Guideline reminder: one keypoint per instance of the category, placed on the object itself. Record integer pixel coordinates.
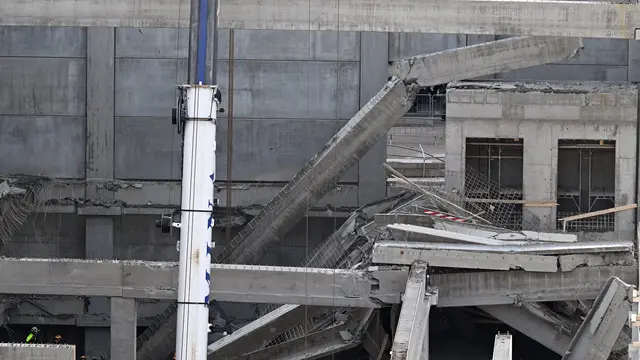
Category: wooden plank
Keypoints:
(599, 212)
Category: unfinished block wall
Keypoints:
(545, 116)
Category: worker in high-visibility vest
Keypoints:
(57, 339)
(33, 335)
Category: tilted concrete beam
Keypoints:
(602, 326)
(548, 18)
(262, 330)
(321, 174)
(285, 285)
(339, 337)
(486, 59)
(412, 334)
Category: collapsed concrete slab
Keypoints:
(602, 326)
(405, 232)
(493, 257)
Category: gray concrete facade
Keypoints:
(541, 114)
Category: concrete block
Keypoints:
(550, 99)
(147, 87)
(42, 86)
(402, 45)
(48, 145)
(43, 41)
(290, 45)
(616, 114)
(547, 112)
(293, 89)
(148, 148)
(37, 352)
(274, 149)
(474, 111)
(564, 72)
(152, 43)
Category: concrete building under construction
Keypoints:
(443, 179)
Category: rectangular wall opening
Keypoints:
(586, 183)
(493, 180)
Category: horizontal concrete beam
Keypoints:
(587, 247)
(398, 255)
(151, 198)
(548, 18)
(306, 286)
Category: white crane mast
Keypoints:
(198, 116)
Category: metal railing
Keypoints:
(429, 105)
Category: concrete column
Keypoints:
(99, 226)
(540, 171)
(374, 72)
(123, 328)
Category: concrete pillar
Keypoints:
(123, 328)
(540, 171)
(374, 72)
(99, 226)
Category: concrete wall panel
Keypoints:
(274, 149)
(36, 41)
(147, 87)
(291, 45)
(51, 86)
(293, 89)
(147, 148)
(402, 45)
(48, 236)
(613, 52)
(42, 145)
(150, 43)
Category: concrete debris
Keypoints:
(601, 328)
(552, 87)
